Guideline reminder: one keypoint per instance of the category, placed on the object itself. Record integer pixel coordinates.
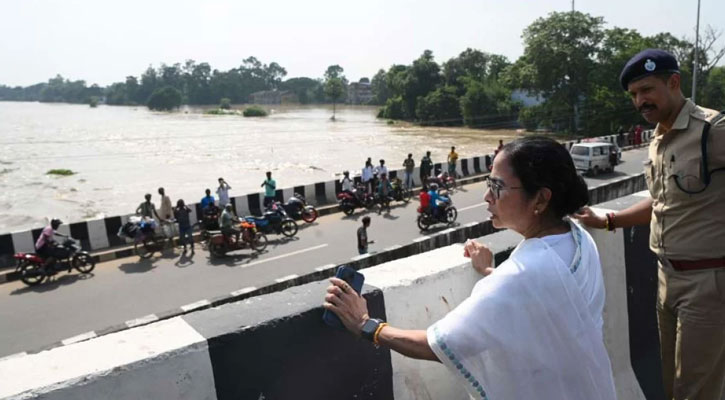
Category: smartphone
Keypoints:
(355, 280)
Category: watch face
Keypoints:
(369, 327)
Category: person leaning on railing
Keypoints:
(531, 328)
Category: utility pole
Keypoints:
(697, 50)
(572, 5)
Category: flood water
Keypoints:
(120, 153)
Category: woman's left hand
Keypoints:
(480, 255)
(347, 304)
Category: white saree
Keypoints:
(527, 331)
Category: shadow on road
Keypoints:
(52, 283)
(140, 266)
(237, 259)
(185, 260)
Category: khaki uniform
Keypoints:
(691, 304)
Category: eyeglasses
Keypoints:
(496, 187)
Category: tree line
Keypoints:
(569, 68)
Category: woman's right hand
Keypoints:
(480, 255)
(586, 216)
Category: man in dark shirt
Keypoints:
(362, 236)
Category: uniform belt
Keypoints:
(690, 265)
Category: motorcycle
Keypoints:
(220, 244)
(297, 207)
(446, 215)
(32, 272)
(444, 181)
(400, 193)
(360, 198)
(208, 222)
(143, 233)
(275, 220)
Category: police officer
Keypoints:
(686, 213)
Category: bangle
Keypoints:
(610, 222)
(606, 222)
(377, 332)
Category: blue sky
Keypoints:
(102, 41)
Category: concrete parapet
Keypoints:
(276, 346)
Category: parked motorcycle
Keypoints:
(275, 220)
(209, 222)
(444, 181)
(297, 207)
(446, 215)
(32, 272)
(220, 244)
(360, 198)
(400, 193)
(145, 235)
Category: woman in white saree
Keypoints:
(532, 328)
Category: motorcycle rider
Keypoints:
(46, 246)
(424, 200)
(147, 209)
(435, 197)
(346, 182)
(226, 222)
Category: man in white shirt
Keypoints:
(223, 192)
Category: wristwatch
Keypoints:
(370, 327)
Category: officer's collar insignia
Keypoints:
(650, 65)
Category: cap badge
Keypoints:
(650, 65)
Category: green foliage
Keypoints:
(334, 89)
(335, 85)
(93, 102)
(225, 103)
(60, 172)
(254, 111)
(439, 107)
(487, 105)
(531, 117)
(306, 89)
(164, 99)
(394, 108)
(381, 91)
(713, 94)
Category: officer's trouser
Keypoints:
(691, 316)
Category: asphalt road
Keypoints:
(127, 289)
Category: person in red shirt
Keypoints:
(424, 200)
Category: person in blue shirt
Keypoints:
(435, 197)
(207, 200)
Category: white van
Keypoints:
(595, 157)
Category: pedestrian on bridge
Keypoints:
(223, 192)
(409, 165)
(166, 211)
(362, 236)
(182, 214)
(207, 200)
(270, 190)
(452, 160)
(685, 176)
(426, 166)
(367, 176)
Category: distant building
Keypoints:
(273, 97)
(359, 92)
